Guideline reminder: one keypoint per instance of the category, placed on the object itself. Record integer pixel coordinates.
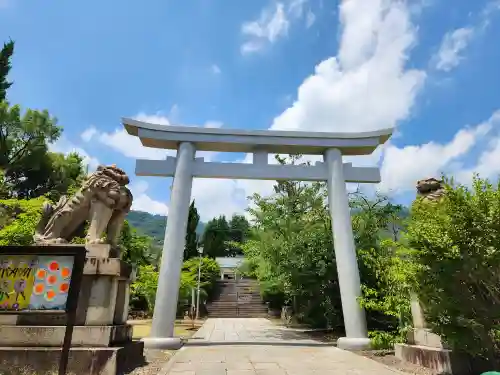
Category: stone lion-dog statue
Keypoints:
(430, 189)
(103, 200)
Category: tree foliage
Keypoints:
(143, 292)
(216, 236)
(291, 252)
(191, 247)
(137, 248)
(27, 168)
(457, 245)
(239, 232)
(210, 272)
(18, 219)
(5, 65)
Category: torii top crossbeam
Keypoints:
(260, 143)
(273, 141)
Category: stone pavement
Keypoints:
(248, 330)
(225, 347)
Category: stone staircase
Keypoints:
(237, 299)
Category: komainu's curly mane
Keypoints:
(430, 189)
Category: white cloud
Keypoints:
(402, 167)
(213, 124)
(215, 69)
(310, 19)
(131, 146)
(273, 24)
(157, 118)
(142, 201)
(128, 145)
(367, 85)
(88, 134)
(64, 146)
(454, 42)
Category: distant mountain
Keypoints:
(153, 225)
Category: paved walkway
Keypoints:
(258, 347)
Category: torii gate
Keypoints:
(185, 166)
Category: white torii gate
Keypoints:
(185, 166)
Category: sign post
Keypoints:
(39, 280)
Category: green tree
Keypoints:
(239, 231)
(377, 225)
(457, 246)
(216, 237)
(137, 248)
(144, 288)
(210, 272)
(291, 251)
(56, 175)
(24, 157)
(191, 248)
(27, 168)
(5, 66)
(143, 291)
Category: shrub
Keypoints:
(386, 297)
(143, 290)
(210, 273)
(385, 340)
(18, 219)
(458, 247)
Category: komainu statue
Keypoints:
(103, 200)
(430, 189)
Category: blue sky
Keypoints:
(427, 67)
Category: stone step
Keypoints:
(237, 307)
(238, 299)
(234, 302)
(241, 306)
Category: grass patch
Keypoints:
(140, 331)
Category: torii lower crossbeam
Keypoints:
(256, 171)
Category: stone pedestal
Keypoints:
(424, 348)
(101, 336)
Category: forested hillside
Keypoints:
(154, 225)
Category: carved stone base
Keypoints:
(443, 361)
(88, 361)
(98, 250)
(52, 336)
(353, 343)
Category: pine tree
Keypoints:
(191, 248)
(5, 66)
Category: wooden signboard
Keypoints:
(42, 279)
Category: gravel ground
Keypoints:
(156, 360)
(387, 358)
